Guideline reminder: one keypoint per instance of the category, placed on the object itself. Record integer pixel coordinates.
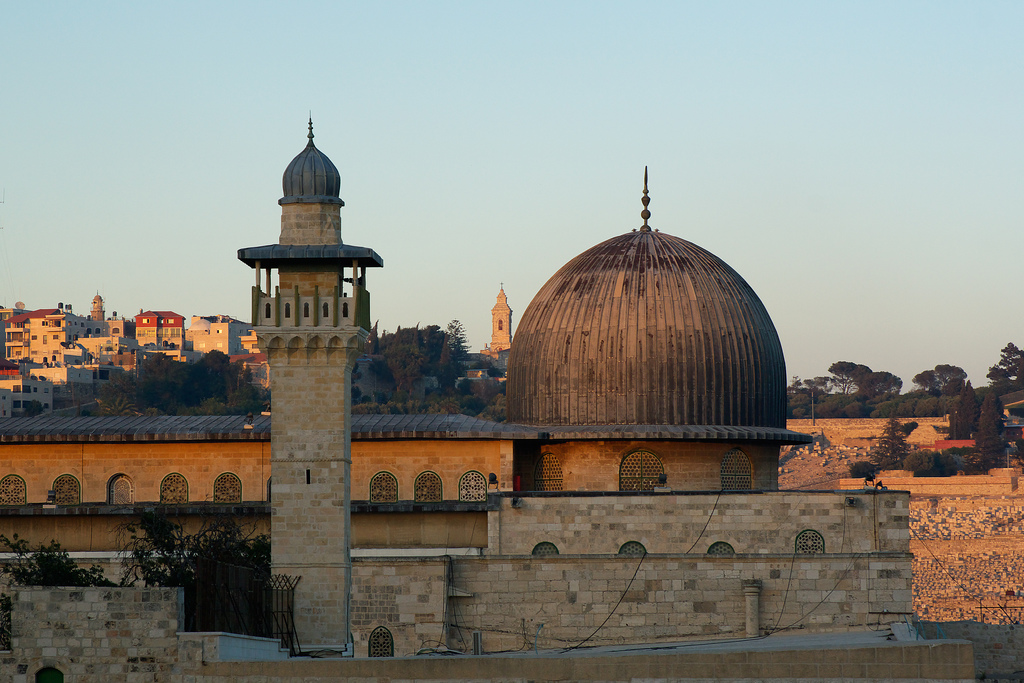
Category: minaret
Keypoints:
(97, 312)
(312, 326)
(501, 323)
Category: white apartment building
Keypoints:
(217, 333)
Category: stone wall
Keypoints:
(766, 522)
(95, 635)
(863, 431)
(998, 648)
(998, 482)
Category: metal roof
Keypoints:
(276, 255)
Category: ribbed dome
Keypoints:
(646, 328)
(311, 177)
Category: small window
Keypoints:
(287, 310)
(736, 471)
(720, 548)
(809, 542)
(344, 310)
(544, 549)
(266, 311)
(632, 549)
(174, 489)
(427, 488)
(12, 490)
(381, 643)
(383, 488)
(305, 310)
(227, 488)
(326, 309)
(67, 489)
(120, 490)
(472, 487)
(501, 325)
(547, 475)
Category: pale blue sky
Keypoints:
(860, 164)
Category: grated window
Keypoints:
(544, 549)
(633, 549)
(721, 548)
(120, 490)
(381, 643)
(736, 472)
(547, 475)
(227, 488)
(67, 489)
(12, 490)
(472, 487)
(640, 471)
(174, 489)
(809, 542)
(427, 488)
(383, 488)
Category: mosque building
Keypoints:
(632, 496)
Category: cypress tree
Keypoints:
(892, 446)
(989, 440)
(965, 415)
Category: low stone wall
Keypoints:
(751, 522)
(864, 431)
(95, 635)
(998, 648)
(998, 483)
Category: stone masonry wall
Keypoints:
(405, 596)
(863, 432)
(94, 635)
(765, 522)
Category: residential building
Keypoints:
(217, 333)
(162, 329)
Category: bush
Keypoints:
(48, 565)
(863, 469)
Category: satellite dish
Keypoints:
(19, 304)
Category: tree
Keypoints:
(1008, 374)
(456, 338)
(943, 380)
(965, 415)
(48, 565)
(875, 384)
(845, 375)
(161, 553)
(989, 444)
(892, 446)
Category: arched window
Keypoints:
(305, 310)
(501, 325)
(120, 490)
(721, 548)
(809, 542)
(383, 488)
(174, 489)
(67, 490)
(287, 310)
(12, 490)
(544, 549)
(381, 643)
(632, 549)
(326, 309)
(49, 675)
(268, 488)
(736, 472)
(344, 310)
(639, 471)
(547, 475)
(266, 310)
(427, 488)
(227, 488)
(472, 487)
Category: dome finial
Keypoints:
(645, 214)
(310, 135)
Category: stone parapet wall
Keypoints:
(946, 487)
(766, 522)
(95, 635)
(998, 648)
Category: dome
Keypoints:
(646, 329)
(311, 177)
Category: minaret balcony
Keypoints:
(330, 310)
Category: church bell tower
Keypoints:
(501, 323)
(312, 325)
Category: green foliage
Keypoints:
(863, 469)
(48, 565)
(212, 386)
(990, 449)
(943, 380)
(931, 464)
(457, 344)
(909, 427)
(161, 553)
(891, 448)
(1008, 374)
(964, 418)
(32, 408)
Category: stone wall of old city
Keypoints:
(864, 431)
(94, 635)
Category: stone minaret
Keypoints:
(501, 324)
(97, 312)
(312, 326)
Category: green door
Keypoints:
(49, 675)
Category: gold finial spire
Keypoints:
(645, 214)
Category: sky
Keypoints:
(860, 164)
